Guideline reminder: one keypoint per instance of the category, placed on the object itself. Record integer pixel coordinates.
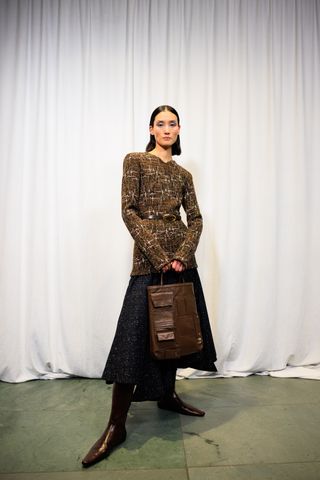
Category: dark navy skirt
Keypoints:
(129, 360)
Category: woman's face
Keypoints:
(165, 129)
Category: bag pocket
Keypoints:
(162, 299)
(162, 303)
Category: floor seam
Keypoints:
(184, 450)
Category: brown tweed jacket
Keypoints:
(153, 187)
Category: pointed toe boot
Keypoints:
(115, 433)
(113, 436)
(175, 404)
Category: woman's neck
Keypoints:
(164, 153)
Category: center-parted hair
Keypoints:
(176, 148)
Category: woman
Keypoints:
(154, 187)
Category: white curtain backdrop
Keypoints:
(79, 80)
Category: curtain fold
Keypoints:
(79, 80)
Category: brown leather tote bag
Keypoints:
(173, 320)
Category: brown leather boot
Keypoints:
(175, 404)
(115, 433)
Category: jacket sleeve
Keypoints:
(145, 240)
(194, 220)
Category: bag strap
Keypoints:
(181, 278)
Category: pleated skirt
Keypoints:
(129, 360)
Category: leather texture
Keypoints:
(173, 321)
(115, 433)
(175, 404)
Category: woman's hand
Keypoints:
(177, 266)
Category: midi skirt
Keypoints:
(129, 360)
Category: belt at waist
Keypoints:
(167, 217)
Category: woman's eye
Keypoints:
(172, 124)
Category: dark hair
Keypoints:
(176, 148)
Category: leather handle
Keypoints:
(181, 278)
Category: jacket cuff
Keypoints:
(159, 266)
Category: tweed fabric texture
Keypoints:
(153, 187)
(129, 360)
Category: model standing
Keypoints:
(154, 187)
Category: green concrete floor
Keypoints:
(255, 428)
